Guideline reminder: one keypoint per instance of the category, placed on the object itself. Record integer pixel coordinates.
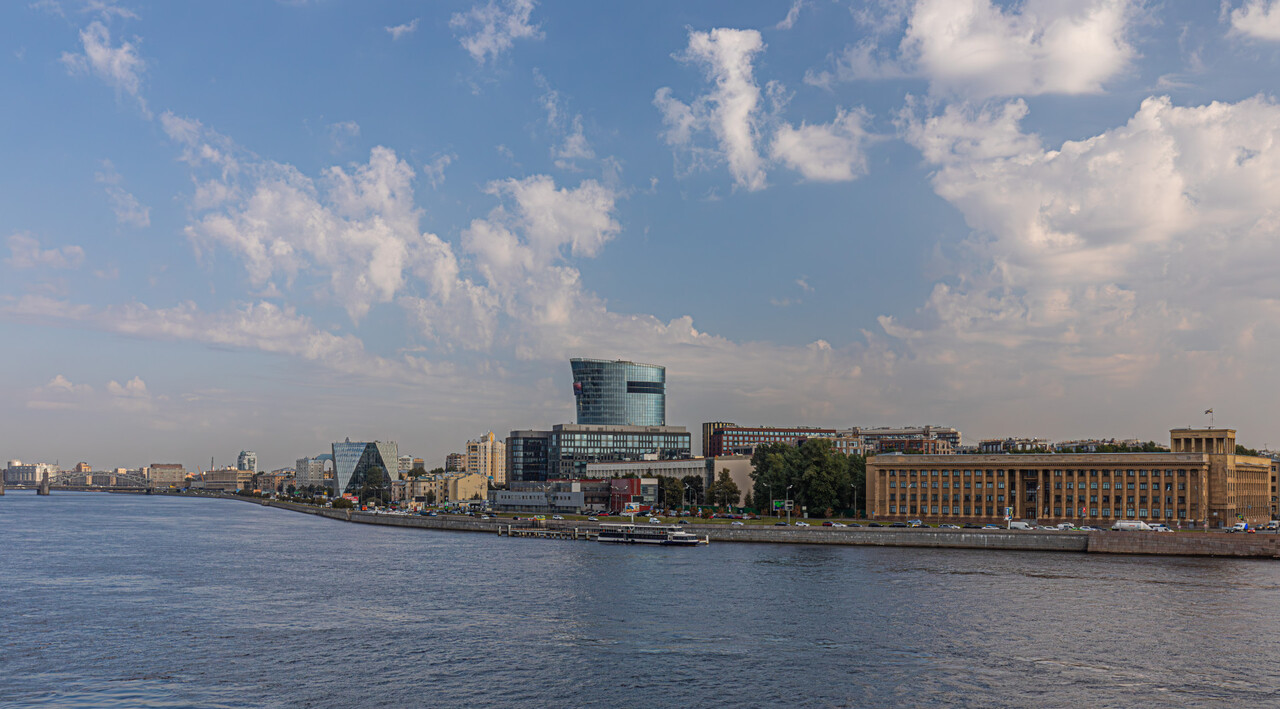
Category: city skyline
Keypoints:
(267, 228)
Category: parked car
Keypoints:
(682, 522)
(971, 525)
(654, 520)
(1087, 528)
(898, 524)
(839, 524)
(991, 526)
(802, 524)
(828, 523)
(557, 517)
(1018, 524)
(948, 526)
(736, 524)
(854, 524)
(779, 524)
(875, 524)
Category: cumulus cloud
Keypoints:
(25, 252)
(129, 212)
(434, 170)
(732, 114)
(1257, 19)
(63, 385)
(1105, 258)
(977, 49)
(357, 227)
(729, 111)
(827, 152)
(486, 31)
(120, 67)
(399, 31)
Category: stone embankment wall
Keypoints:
(1151, 543)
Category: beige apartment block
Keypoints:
(488, 457)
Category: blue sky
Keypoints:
(270, 225)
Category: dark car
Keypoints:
(780, 524)
(855, 524)
(971, 525)
(898, 524)
(682, 522)
(828, 523)
(875, 524)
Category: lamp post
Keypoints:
(787, 504)
(685, 499)
(854, 487)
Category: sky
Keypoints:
(272, 225)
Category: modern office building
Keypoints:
(354, 463)
(487, 456)
(1200, 483)
(565, 450)
(619, 393)
(247, 460)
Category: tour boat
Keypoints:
(671, 535)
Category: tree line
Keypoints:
(813, 474)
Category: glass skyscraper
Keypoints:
(619, 393)
(353, 463)
(565, 450)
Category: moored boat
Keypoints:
(666, 535)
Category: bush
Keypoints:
(342, 503)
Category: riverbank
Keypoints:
(1215, 544)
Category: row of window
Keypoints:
(1034, 473)
(1057, 511)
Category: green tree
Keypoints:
(696, 494)
(725, 492)
(771, 472)
(436, 471)
(858, 481)
(748, 501)
(431, 497)
(375, 482)
(1241, 450)
(823, 477)
(670, 492)
(343, 503)
(417, 472)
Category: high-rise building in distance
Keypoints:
(248, 460)
(619, 393)
(487, 456)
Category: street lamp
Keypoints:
(854, 487)
(685, 499)
(787, 503)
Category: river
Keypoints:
(125, 600)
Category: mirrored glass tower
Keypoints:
(619, 393)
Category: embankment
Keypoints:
(1147, 543)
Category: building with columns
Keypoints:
(1200, 482)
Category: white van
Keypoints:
(1133, 525)
(1021, 525)
(1159, 527)
(1066, 527)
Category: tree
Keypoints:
(725, 492)
(431, 497)
(436, 471)
(1241, 450)
(374, 487)
(670, 492)
(823, 476)
(417, 472)
(696, 494)
(748, 501)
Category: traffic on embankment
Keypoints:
(1186, 543)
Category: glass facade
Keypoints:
(619, 393)
(354, 462)
(565, 450)
(527, 455)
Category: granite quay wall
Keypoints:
(1148, 543)
(1186, 544)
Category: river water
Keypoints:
(124, 600)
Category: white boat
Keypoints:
(668, 535)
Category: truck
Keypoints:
(1131, 525)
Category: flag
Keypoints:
(1208, 411)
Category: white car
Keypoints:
(944, 526)
(802, 524)
(557, 517)
(735, 524)
(839, 524)
(654, 520)
(592, 519)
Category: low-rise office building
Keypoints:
(1200, 483)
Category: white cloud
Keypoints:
(358, 228)
(120, 67)
(1108, 260)
(486, 31)
(434, 170)
(342, 134)
(570, 142)
(128, 210)
(825, 153)
(1258, 19)
(977, 49)
(399, 31)
(729, 110)
(25, 252)
(792, 15)
(133, 389)
(63, 385)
